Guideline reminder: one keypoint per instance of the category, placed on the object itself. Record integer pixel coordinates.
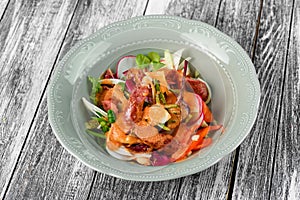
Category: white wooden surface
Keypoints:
(36, 34)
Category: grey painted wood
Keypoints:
(212, 183)
(238, 19)
(45, 170)
(256, 157)
(205, 10)
(3, 5)
(31, 35)
(107, 187)
(286, 175)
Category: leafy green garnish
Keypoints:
(111, 116)
(157, 66)
(122, 86)
(142, 61)
(96, 134)
(96, 88)
(154, 57)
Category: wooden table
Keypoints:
(34, 36)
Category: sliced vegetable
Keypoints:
(163, 127)
(169, 59)
(94, 109)
(93, 133)
(124, 64)
(194, 102)
(199, 137)
(206, 142)
(208, 89)
(181, 65)
(122, 154)
(157, 65)
(177, 55)
(208, 116)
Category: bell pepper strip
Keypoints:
(206, 142)
(208, 117)
(200, 135)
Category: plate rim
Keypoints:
(137, 177)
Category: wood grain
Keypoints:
(3, 5)
(205, 11)
(107, 187)
(34, 164)
(286, 175)
(92, 15)
(256, 157)
(45, 169)
(31, 35)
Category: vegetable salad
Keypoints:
(152, 110)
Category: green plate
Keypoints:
(220, 60)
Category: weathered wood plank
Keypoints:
(286, 175)
(31, 35)
(107, 187)
(157, 7)
(216, 178)
(212, 183)
(45, 169)
(205, 11)
(3, 5)
(255, 163)
(92, 15)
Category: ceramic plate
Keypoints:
(220, 60)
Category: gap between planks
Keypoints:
(40, 101)
(4, 11)
(56, 60)
(282, 93)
